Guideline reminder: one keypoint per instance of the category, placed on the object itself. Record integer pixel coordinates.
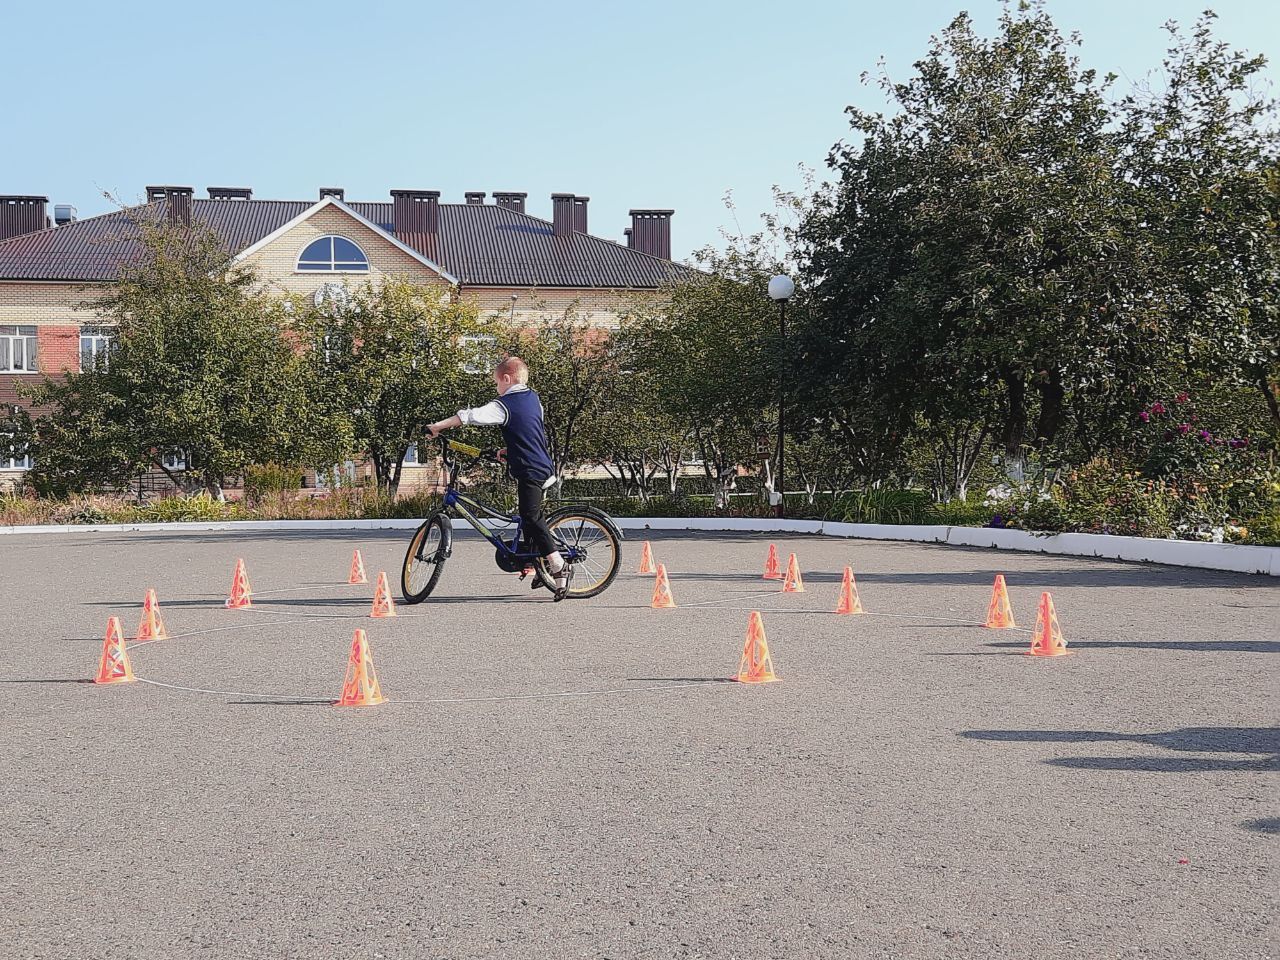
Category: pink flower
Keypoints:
(1184, 428)
(1182, 397)
(1157, 408)
(1144, 417)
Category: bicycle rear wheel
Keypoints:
(430, 547)
(587, 538)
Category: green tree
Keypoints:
(573, 366)
(383, 361)
(197, 365)
(1202, 153)
(962, 267)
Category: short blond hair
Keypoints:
(515, 368)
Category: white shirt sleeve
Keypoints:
(492, 414)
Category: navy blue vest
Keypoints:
(528, 456)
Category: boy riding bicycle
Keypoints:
(518, 411)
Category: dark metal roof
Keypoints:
(483, 244)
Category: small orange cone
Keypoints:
(357, 569)
(360, 688)
(756, 666)
(382, 603)
(850, 602)
(114, 666)
(151, 626)
(646, 559)
(771, 569)
(241, 592)
(662, 590)
(794, 582)
(1046, 639)
(999, 611)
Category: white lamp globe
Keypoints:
(781, 287)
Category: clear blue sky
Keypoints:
(646, 104)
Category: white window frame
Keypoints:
(98, 340)
(13, 338)
(332, 263)
(175, 460)
(10, 462)
(411, 456)
(339, 475)
(472, 340)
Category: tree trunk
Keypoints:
(1015, 428)
(1049, 422)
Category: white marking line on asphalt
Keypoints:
(745, 596)
(520, 696)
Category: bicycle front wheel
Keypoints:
(587, 539)
(430, 547)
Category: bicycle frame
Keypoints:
(463, 506)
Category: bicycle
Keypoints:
(586, 537)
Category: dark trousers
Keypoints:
(536, 533)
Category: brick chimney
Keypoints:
(19, 215)
(512, 201)
(651, 232)
(177, 203)
(415, 217)
(230, 193)
(562, 214)
(475, 197)
(580, 214)
(336, 192)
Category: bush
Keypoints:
(1106, 496)
(262, 479)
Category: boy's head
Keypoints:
(508, 373)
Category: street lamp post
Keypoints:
(781, 289)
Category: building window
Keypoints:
(94, 343)
(478, 352)
(333, 255)
(11, 459)
(175, 460)
(18, 349)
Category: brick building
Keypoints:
(506, 260)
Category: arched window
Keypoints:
(333, 254)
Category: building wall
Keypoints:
(534, 305)
(277, 262)
(58, 311)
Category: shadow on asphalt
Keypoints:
(1264, 825)
(1257, 740)
(48, 680)
(1200, 646)
(681, 680)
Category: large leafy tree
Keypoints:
(711, 352)
(197, 366)
(383, 361)
(574, 367)
(961, 265)
(1202, 153)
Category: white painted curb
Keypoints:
(1181, 553)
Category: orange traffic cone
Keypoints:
(794, 582)
(771, 569)
(1046, 639)
(114, 666)
(662, 590)
(360, 688)
(999, 611)
(646, 559)
(357, 569)
(382, 603)
(756, 666)
(152, 625)
(241, 592)
(850, 602)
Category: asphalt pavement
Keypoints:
(581, 780)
